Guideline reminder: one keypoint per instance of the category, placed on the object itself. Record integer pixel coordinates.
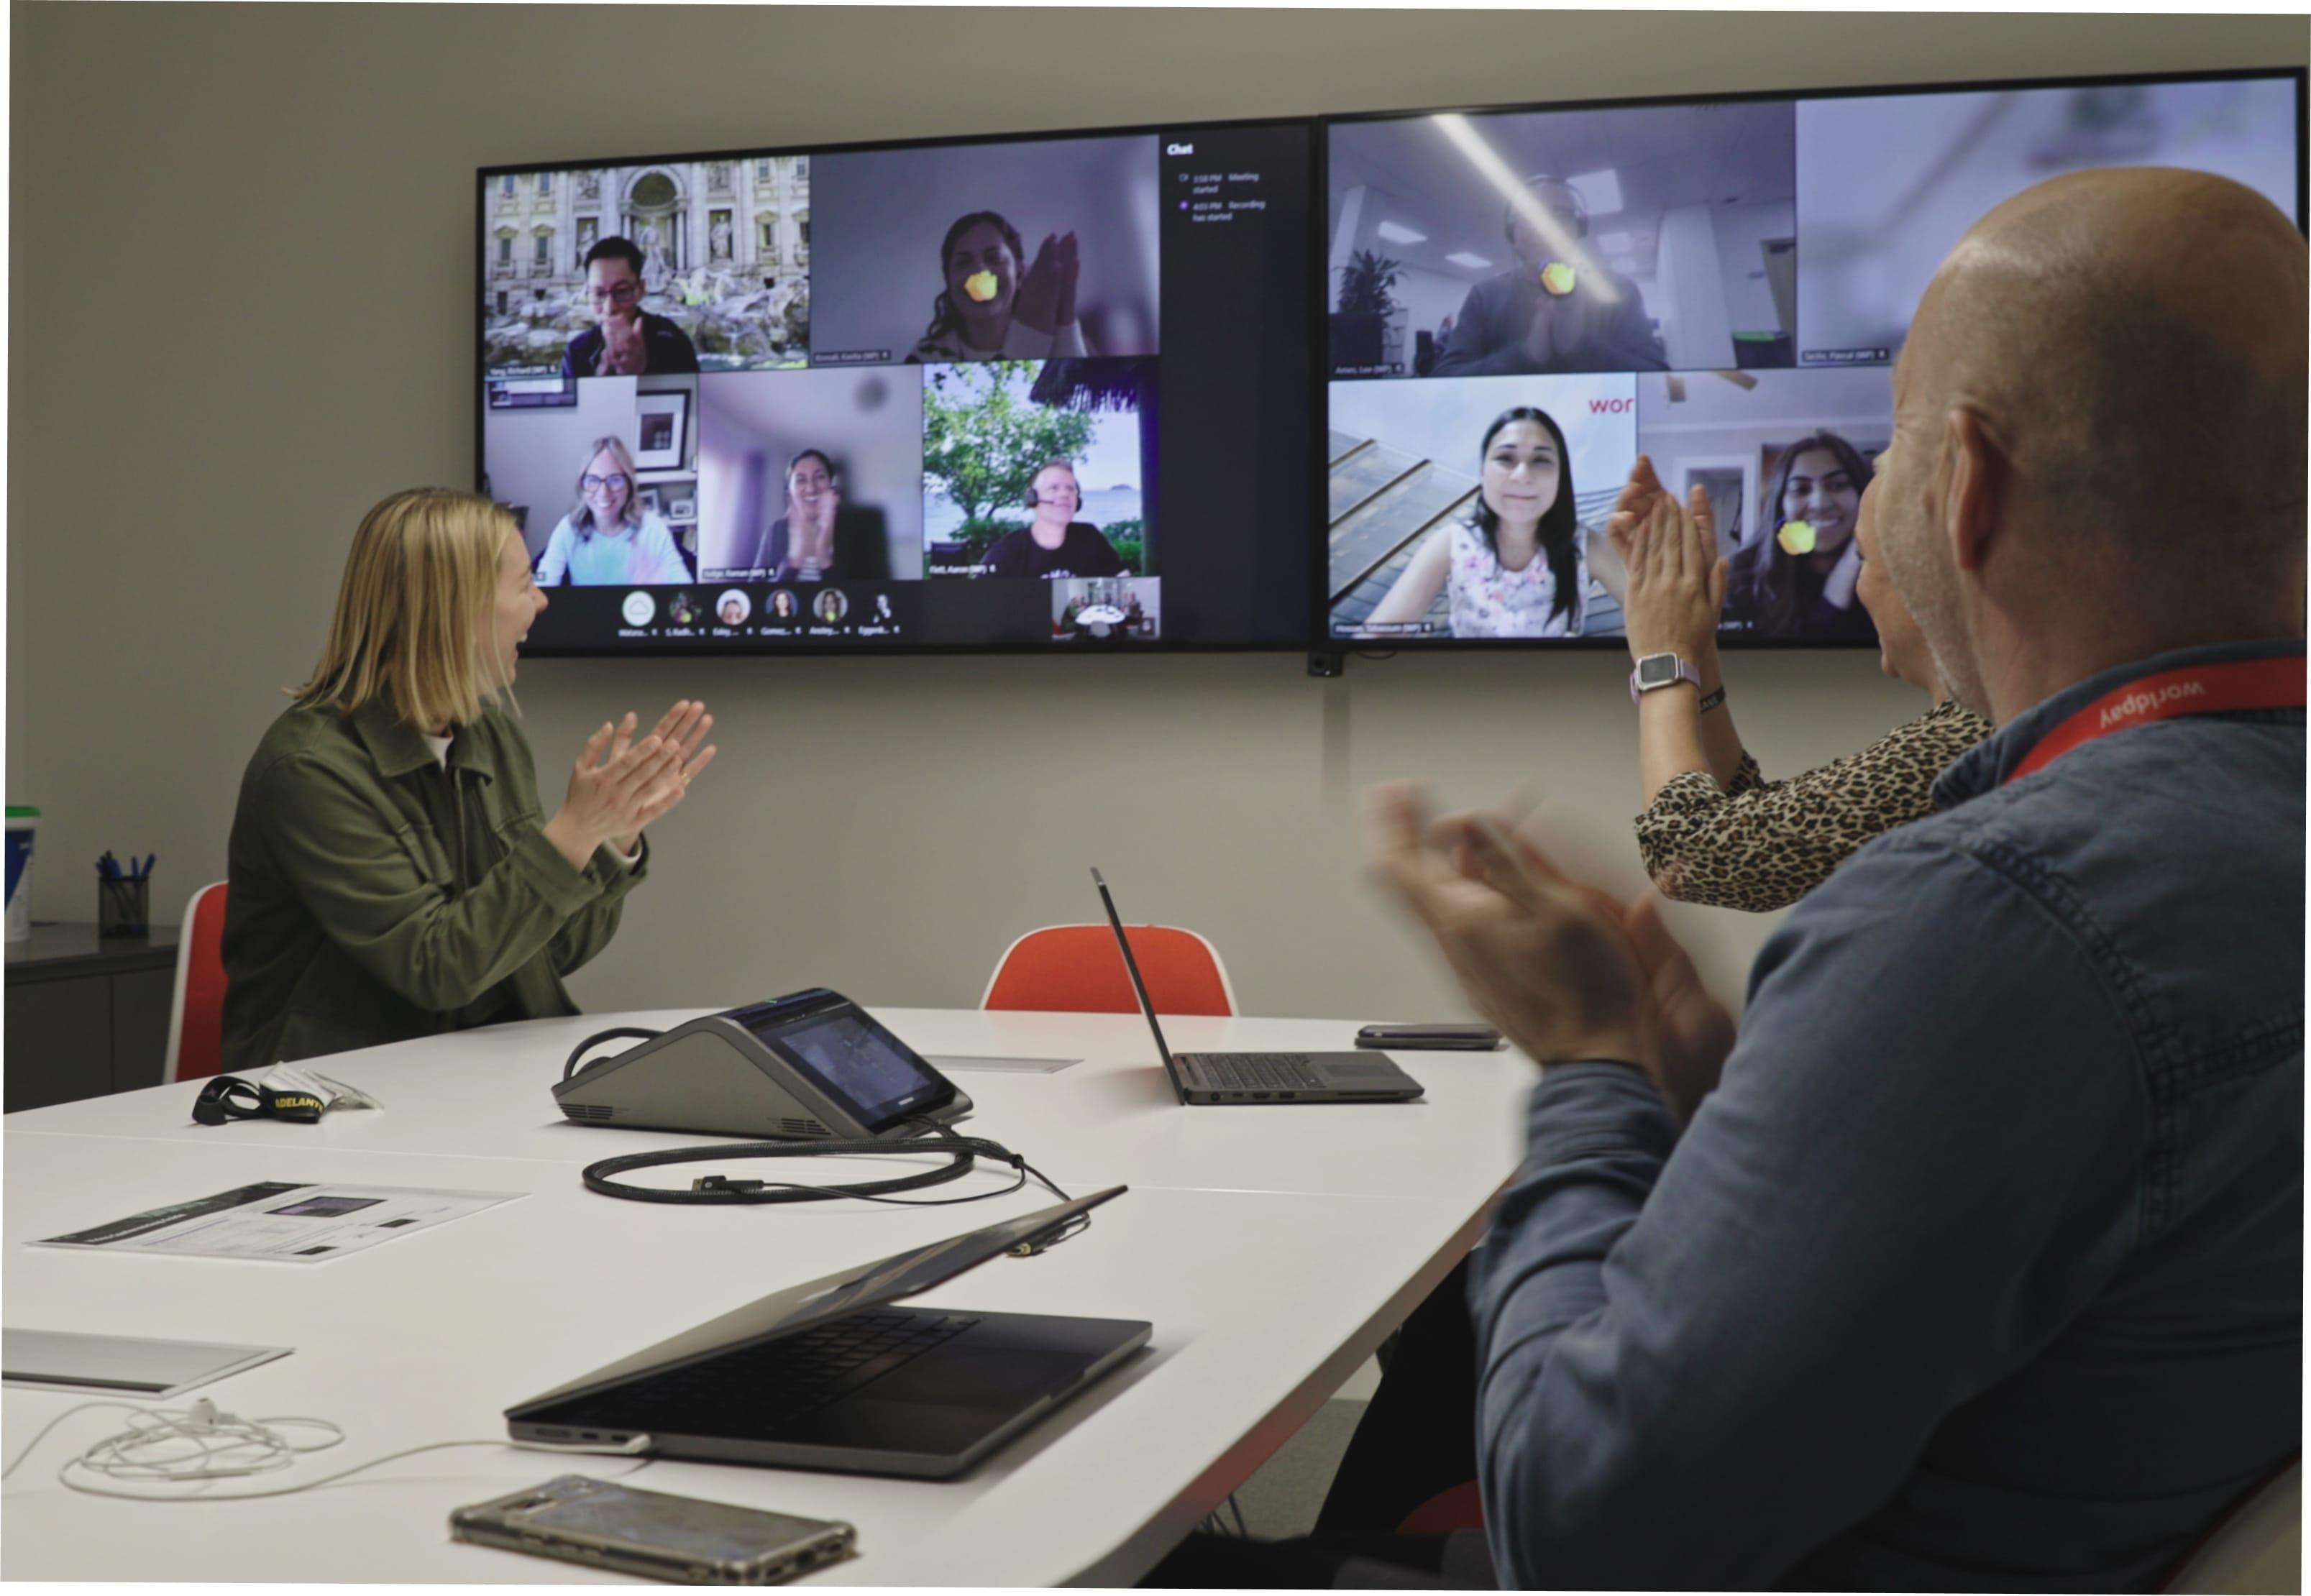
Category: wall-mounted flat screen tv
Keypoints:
(1519, 302)
(1045, 394)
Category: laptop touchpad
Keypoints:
(961, 1375)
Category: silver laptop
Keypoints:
(1263, 1078)
(829, 1374)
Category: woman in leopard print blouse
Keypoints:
(1715, 830)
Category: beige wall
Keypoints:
(242, 252)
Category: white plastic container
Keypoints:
(22, 821)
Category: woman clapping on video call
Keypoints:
(1715, 830)
(996, 304)
(392, 876)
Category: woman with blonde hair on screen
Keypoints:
(610, 538)
(392, 873)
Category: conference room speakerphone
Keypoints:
(809, 1066)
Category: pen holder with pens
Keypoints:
(123, 906)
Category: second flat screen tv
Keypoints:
(1041, 394)
(1520, 302)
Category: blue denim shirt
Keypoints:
(1983, 1267)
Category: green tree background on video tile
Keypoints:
(983, 439)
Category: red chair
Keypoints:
(1460, 1508)
(196, 1011)
(1077, 970)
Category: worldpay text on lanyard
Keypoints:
(2190, 690)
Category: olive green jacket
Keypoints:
(377, 896)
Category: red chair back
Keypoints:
(1077, 970)
(196, 1011)
(1460, 1508)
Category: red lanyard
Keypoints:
(2192, 690)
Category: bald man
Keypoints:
(1978, 1263)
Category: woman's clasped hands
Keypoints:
(619, 785)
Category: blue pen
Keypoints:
(147, 876)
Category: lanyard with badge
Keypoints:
(2189, 690)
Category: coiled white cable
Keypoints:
(199, 1444)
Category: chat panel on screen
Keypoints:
(1637, 239)
(1887, 184)
(1783, 457)
(655, 268)
(1030, 250)
(811, 475)
(1037, 469)
(1475, 507)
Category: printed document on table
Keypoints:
(284, 1221)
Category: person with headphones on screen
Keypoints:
(1055, 545)
(1558, 308)
(391, 875)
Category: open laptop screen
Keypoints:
(1138, 986)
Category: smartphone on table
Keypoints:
(604, 1524)
(1437, 1037)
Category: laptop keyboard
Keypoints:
(757, 1389)
(1287, 1072)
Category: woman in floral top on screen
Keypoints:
(1519, 564)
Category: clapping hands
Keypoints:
(1676, 580)
(618, 786)
(1566, 970)
(623, 353)
(1046, 300)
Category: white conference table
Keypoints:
(1271, 1248)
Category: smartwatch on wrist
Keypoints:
(1661, 670)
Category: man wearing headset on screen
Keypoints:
(1054, 545)
(1558, 308)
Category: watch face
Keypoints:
(1657, 670)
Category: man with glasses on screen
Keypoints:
(625, 340)
(1559, 308)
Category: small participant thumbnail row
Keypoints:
(1035, 249)
(1079, 612)
(780, 611)
(1477, 508)
(1750, 235)
(999, 470)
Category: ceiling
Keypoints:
(1665, 158)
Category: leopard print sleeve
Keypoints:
(1766, 844)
